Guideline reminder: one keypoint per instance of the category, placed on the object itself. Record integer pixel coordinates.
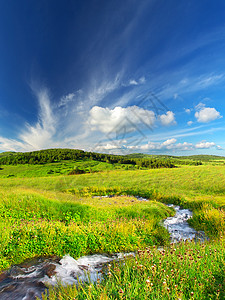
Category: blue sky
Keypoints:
(113, 76)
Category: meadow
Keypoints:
(45, 213)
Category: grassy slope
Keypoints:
(55, 169)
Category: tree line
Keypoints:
(58, 155)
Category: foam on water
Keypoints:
(87, 268)
(179, 228)
(28, 282)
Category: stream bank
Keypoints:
(28, 280)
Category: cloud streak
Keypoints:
(41, 134)
(37, 136)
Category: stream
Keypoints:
(28, 280)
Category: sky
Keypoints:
(113, 76)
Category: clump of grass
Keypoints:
(182, 271)
(210, 220)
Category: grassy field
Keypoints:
(57, 168)
(54, 213)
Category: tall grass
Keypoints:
(32, 225)
(182, 271)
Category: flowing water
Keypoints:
(179, 228)
(28, 280)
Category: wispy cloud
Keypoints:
(190, 84)
(13, 145)
(41, 134)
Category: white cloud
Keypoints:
(108, 146)
(141, 80)
(167, 119)
(187, 110)
(204, 145)
(170, 144)
(133, 82)
(190, 123)
(206, 114)
(111, 120)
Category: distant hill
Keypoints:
(203, 157)
(139, 159)
(58, 155)
(8, 153)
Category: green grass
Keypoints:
(200, 188)
(56, 169)
(46, 214)
(182, 271)
(33, 225)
